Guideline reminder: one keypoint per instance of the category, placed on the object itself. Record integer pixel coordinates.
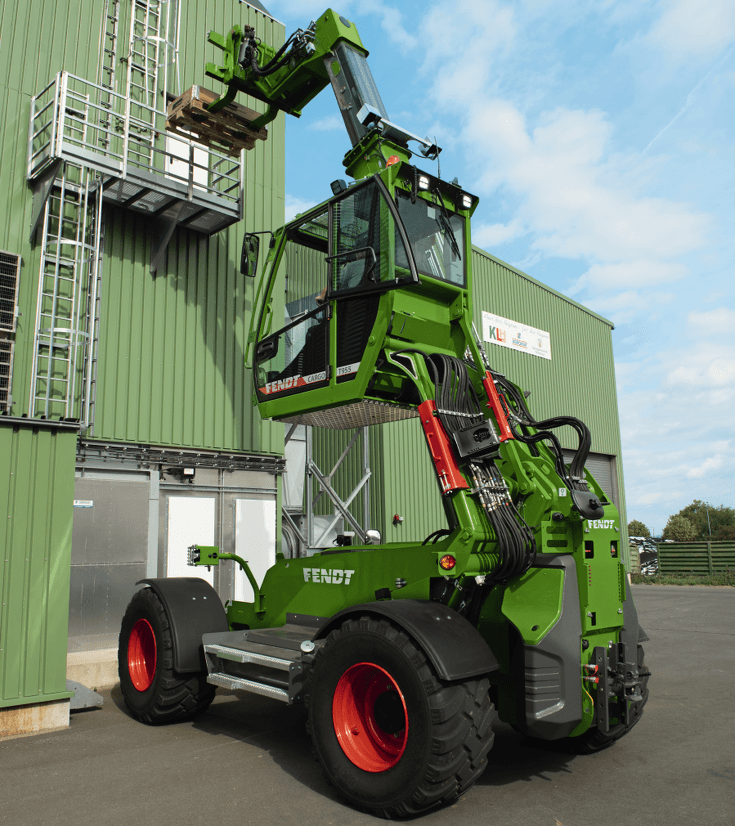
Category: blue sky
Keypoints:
(599, 137)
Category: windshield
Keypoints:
(436, 236)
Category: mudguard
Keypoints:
(550, 704)
(192, 608)
(453, 645)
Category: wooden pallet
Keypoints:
(228, 130)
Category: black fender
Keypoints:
(452, 644)
(631, 633)
(192, 608)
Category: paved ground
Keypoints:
(249, 761)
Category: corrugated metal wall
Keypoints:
(172, 349)
(36, 493)
(171, 367)
(40, 38)
(580, 378)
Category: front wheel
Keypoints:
(391, 736)
(152, 690)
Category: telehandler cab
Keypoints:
(400, 651)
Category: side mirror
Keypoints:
(249, 255)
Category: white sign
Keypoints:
(515, 336)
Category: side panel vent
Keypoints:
(6, 374)
(9, 276)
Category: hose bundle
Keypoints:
(516, 543)
(458, 407)
(521, 420)
(457, 404)
(248, 57)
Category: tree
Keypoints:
(636, 528)
(679, 529)
(710, 522)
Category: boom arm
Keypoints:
(329, 51)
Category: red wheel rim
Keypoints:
(142, 655)
(370, 717)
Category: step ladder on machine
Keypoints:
(272, 662)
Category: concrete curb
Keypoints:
(93, 669)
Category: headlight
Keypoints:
(466, 202)
(423, 182)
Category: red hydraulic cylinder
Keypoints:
(496, 405)
(450, 477)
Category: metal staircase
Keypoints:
(89, 144)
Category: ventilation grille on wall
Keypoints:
(6, 374)
(9, 272)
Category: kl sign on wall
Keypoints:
(516, 336)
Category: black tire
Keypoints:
(152, 690)
(594, 740)
(442, 730)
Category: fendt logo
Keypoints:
(331, 576)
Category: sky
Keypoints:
(599, 138)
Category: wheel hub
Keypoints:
(370, 718)
(142, 655)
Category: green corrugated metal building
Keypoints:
(145, 368)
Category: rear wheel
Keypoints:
(391, 736)
(152, 690)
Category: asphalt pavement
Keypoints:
(248, 759)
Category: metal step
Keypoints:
(272, 662)
(237, 655)
(240, 684)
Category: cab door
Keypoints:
(295, 357)
(361, 268)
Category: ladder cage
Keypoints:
(67, 297)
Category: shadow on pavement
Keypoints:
(280, 731)
(514, 757)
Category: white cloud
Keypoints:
(714, 322)
(391, 22)
(391, 17)
(488, 236)
(689, 27)
(564, 181)
(328, 124)
(707, 365)
(484, 28)
(711, 464)
(295, 206)
(622, 308)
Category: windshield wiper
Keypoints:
(446, 227)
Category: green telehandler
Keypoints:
(400, 651)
